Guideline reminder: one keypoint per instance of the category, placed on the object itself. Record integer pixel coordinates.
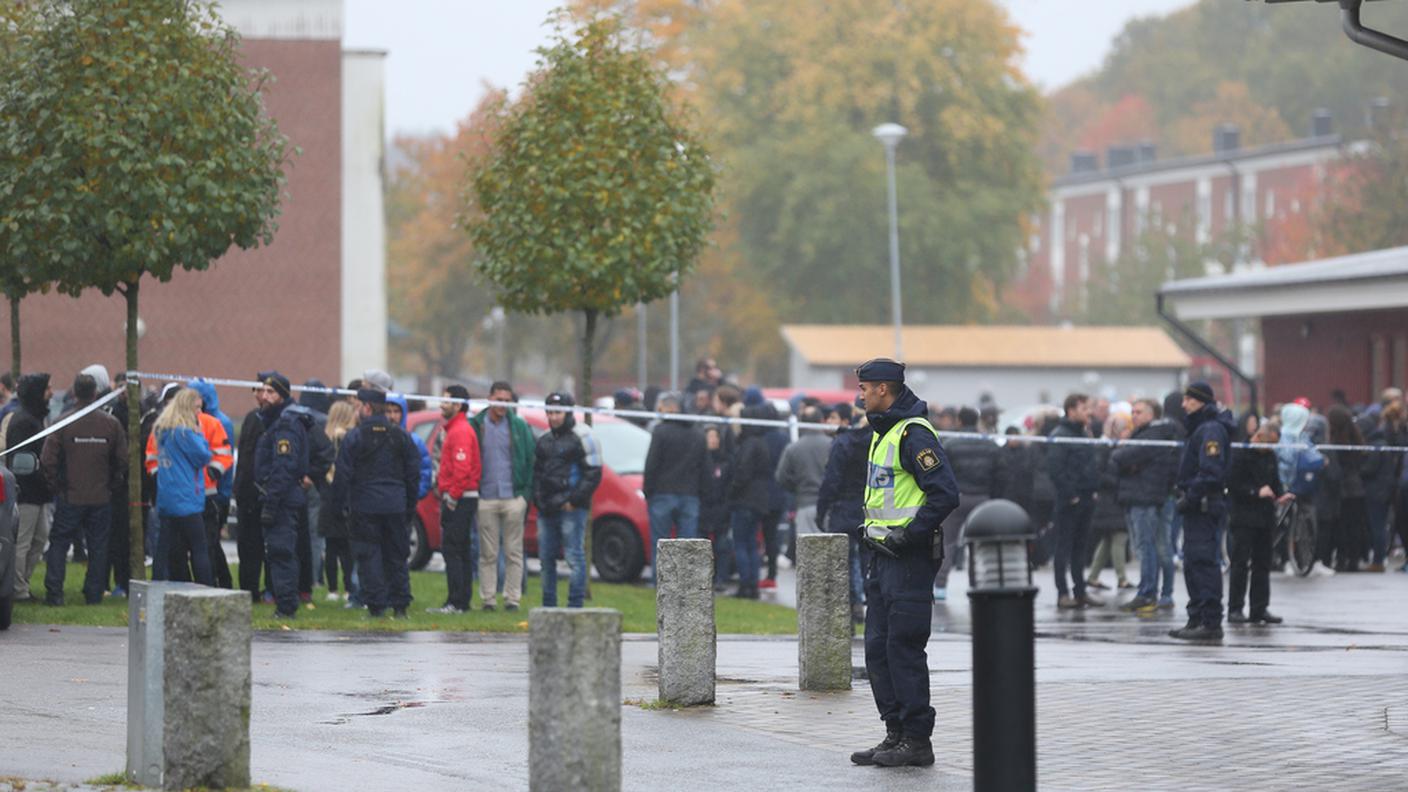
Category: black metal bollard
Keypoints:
(1001, 595)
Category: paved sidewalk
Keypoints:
(1319, 704)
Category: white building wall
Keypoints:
(364, 315)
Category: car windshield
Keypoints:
(623, 446)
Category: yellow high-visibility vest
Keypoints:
(892, 496)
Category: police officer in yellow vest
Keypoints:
(908, 493)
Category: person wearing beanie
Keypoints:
(1202, 487)
(32, 396)
(566, 472)
(282, 464)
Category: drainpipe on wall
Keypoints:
(1197, 341)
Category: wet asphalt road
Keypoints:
(1321, 702)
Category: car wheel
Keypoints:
(420, 544)
(7, 605)
(617, 551)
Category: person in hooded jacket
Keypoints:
(378, 475)
(183, 452)
(566, 472)
(32, 397)
(748, 499)
(396, 413)
(1202, 500)
(217, 506)
(174, 564)
(250, 539)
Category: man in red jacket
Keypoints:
(458, 487)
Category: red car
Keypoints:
(620, 525)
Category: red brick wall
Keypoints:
(1314, 354)
(275, 307)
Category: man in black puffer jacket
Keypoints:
(979, 466)
(1075, 475)
(566, 471)
(1145, 481)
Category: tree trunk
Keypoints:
(584, 398)
(15, 338)
(135, 451)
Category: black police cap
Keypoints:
(880, 370)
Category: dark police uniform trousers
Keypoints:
(383, 545)
(898, 619)
(1202, 573)
(281, 553)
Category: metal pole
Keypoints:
(641, 377)
(675, 340)
(894, 252)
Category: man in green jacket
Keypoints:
(506, 447)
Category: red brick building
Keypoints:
(1095, 214)
(1334, 324)
(311, 304)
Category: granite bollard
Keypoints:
(823, 612)
(188, 686)
(574, 699)
(684, 621)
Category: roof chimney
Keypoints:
(1321, 123)
(1226, 138)
(1084, 162)
(1148, 152)
(1117, 157)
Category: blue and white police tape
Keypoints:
(790, 423)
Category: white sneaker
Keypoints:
(1320, 570)
(447, 610)
(333, 596)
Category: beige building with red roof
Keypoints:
(1018, 365)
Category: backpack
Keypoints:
(1310, 463)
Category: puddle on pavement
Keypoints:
(385, 709)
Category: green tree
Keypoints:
(435, 291)
(135, 145)
(597, 194)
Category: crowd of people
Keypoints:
(325, 485)
(323, 489)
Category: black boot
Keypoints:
(1236, 617)
(1265, 617)
(912, 751)
(867, 757)
(1197, 633)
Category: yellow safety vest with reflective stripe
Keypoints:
(892, 496)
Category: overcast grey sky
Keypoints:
(442, 51)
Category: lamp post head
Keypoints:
(997, 534)
(889, 134)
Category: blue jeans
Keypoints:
(1151, 539)
(71, 521)
(680, 512)
(744, 523)
(563, 531)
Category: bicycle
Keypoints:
(1294, 537)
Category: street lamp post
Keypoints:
(891, 135)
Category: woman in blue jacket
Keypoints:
(182, 454)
